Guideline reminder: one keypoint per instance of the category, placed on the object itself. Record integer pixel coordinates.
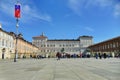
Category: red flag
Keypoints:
(17, 11)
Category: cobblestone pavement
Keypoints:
(64, 69)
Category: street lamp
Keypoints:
(16, 40)
(17, 15)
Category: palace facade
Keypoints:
(52, 46)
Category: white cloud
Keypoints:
(29, 12)
(117, 10)
(101, 3)
(6, 8)
(89, 29)
(77, 6)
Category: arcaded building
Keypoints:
(52, 46)
(110, 47)
(24, 47)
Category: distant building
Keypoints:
(71, 46)
(110, 47)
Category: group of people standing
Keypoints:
(100, 56)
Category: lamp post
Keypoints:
(16, 40)
(17, 15)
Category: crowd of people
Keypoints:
(66, 55)
(104, 55)
(97, 55)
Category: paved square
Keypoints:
(64, 69)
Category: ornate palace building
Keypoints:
(110, 47)
(71, 46)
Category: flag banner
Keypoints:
(17, 11)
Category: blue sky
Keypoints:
(63, 19)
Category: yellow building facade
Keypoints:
(25, 48)
(8, 46)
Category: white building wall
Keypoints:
(7, 42)
(76, 46)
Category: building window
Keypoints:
(40, 50)
(1, 34)
(6, 44)
(60, 45)
(50, 45)
(117, 44)
(44, 51)
(47, 50)
(41, 45)
(73, 45)
(105, 46)
(114, 45)
(2, 42)
(108, 46)
(66, 45)
(111, 45)
(44, 45)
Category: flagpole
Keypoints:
(16, 50)
(17, 15)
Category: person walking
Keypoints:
(58, 55)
